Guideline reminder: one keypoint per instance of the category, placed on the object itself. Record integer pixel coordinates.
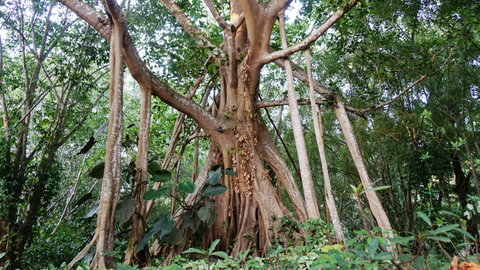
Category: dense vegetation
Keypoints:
(97, 177)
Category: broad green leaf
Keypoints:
(424, 217)
(161, 176)
(155, 193)
(327, 248)
(153, 167)
(162, 226)
(124, 211)
(2, 254)
(231, 172)
(97, 171)
(195, 250)
(143, 242)
(214, 190)
(187, 187)
(214, 175)
(221, 254)
(166, 227)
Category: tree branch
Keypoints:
(301, 75)
(187, 25)
(220, 20)
(267, 58)
(138, 69)
(277, 6)
(275, 103)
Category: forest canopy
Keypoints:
(242, 134)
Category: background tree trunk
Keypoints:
(112, 171)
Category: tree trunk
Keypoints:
(141, 180)
(374, 203)
(318, 127)
(112, 171)
(307, 181)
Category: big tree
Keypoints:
(239, 139)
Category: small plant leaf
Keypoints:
(162, 226)
(438, 238)
(155, 193)
(187, 187)
(424, 217)
(221, 254)
(213, 246)
(214, 175)
(330, 247)
(195, 250)
(214, 190)
(231, 172)
(467, 234)
(443, 229)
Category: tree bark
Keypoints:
(318, 127)
(112, 171)
(141, 180)
(307, 181)
(374, 202)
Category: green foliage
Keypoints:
(213, 190)
(187, 187)
(155, 193)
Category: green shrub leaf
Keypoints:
(155, 193)
(214, 190)
(187, 187)
(214, 175)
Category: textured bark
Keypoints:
(141, 181)
(305, 171)
(318, 127)
(373, 201)
(112, 171)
